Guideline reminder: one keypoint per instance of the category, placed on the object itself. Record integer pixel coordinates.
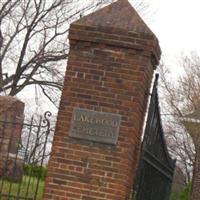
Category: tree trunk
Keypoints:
(195, 193)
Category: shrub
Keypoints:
(35, 171)
(183, 195)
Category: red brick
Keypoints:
(109, 69)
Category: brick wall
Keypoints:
(109, 70)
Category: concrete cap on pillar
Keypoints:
(120, 15)
(8, 103)
(121, 19)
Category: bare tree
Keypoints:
(182, 100)
(33, 42)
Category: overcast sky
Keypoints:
(177, 26)
(176, 23)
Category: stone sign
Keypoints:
(95, 126)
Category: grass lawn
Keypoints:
(25, 191)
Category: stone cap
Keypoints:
(10, 102)
(118, 15)
(117, 24)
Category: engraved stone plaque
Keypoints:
(95, 126)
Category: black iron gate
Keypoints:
(156, 168)
(24, 151)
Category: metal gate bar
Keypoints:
(156, 168)
(20, 159)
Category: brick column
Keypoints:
(112, 58)
(11, 117)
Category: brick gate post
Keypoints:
(11, 118)
(111, 62)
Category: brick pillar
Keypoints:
(112, 58)
(11, 117)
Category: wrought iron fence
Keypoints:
(24, 150)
